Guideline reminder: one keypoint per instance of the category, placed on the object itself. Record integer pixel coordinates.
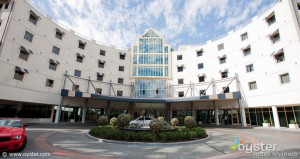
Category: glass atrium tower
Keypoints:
(151, 65)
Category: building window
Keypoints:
(101, 64)
(179, 57)
(298, 6)
(250, 68)
(59, 34)
(24, 55)
(81, 45)
(224, 74)
(28, 36)
(98, 91)
(102, 52)
(180, 81)
(49, 82)
(220, 46)
(244, 36)
(275, 37)
(284, 78)
(77, 73)
(100, 76)
(52, 65)
(199, 53)
(200, 65)
(279, 57)
(252, 85)
(222, 60)
(75, 88)
(19, 73)
(181, 94)
(247, 51)
(180, 69)
(120, 80)
(120, 93)
(201, 78)
(226, 90)
(55, 50)
(33, 19)
(202, 92)
(121, 68)
(79, 58)
(271, 19)
(122, 56)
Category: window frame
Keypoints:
(251, 87)
(180, 81)
(76, 72)
(48, 83)
(179, 57)
(29, 35)
(281, 78)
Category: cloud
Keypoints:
(120, 22)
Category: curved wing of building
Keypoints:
(49, 72)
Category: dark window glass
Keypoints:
(19, 75)
(122, 57)
(102, 52)
(181, 94)
(285, 78)
(79, 59)
(244, 36)
(250, 68)
(49, 82)
(275, 38)
(52, 66)
(179, 69)
(28, 36)
(99, 78)
(24, 55)
(33, 19)
(224, 74)
(252, 85)
(202, 92)
(179, 57)
(247, 51)
(200, 66)
(271, 20)
(279, 57)
(221, 46)
(98, 91)
(226, 90)
(180, 81)
(199, 53)
(75, 88)
(58, 35)
(120, 80)
(77, 73)
(81, 45)
(222, 60)
(55, 50)
(201, 78)
(121, 68)
(101, 64)
(120, 93)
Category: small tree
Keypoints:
(123, 120)
(266, 121)
(156, 126)
(113, 121)
(174, 121)
(292, 122)
(103, 120)
(161, 118)
(189, 122)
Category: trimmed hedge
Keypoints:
(181, 134)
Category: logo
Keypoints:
(236, 144)
(4, 154)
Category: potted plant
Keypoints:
(293, 124)
(266, 123)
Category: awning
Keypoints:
(199, 50)
(122, 53)
(20, 70)
(246, 47)
(32, 13)
(82, 42)
(270, 15)
(100, 74)
(101, 61)
(222, 56)
(203, 74)
(225, 70)
(181, 65)
(27, 51)
(277, 52)
(274, 33)
(52, 61)
(78, 54)
(58, 30)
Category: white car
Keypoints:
(142, 121)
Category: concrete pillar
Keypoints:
(57, 116)
(130, 109)
(193, 110)
(243, 117)
(275, 117)
(216, 113)
(52, 113)
(170, 112)
(83, 114)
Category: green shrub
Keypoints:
(174, 121)
(108, 132)
(292, 121)
(190, 122)
(156, 125)
(161, 118)
(103, 120)
(113, 121)
(123, 120)
(266, 121)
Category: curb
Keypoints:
(148, 143)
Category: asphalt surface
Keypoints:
(71, 141)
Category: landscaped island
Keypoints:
(159, 131)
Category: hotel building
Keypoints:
(50, 73)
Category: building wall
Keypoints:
(32, 88)
(266, 72)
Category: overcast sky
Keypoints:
(180, 22)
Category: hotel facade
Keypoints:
(50, 73)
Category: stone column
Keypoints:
(217, 116)
(83, 113)
(275, 117)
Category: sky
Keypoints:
(180, 22)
